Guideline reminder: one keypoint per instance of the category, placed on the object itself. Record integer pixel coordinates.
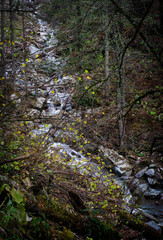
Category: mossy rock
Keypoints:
(66, 234)
(83, 225)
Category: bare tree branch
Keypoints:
(21, 158)
(140, 33)
(136, 32)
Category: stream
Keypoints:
(56, 92)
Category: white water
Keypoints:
(59, 91)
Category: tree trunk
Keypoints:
(78, 8)
(120, 105)
(161, 16)
(2, 64)
(24, 46)
(120, 87)
(12, 42)
(107, 85)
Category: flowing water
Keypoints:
(58, 99)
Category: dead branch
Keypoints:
(21, 158)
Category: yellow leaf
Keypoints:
(13, 43)
(53, 91)
(86, 88)
(88, 77)
(1, 43)
(36, 55)
(27, 60)
(86, 71)
(93, 92)
(38, 60)
(23, 64)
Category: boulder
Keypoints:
(153, 182)
(122, 166)
(39, 102)
(153, 230)
(141, 189)
(134, 184)
(150, 172)
(33, 49)
(141, 173)
(152, 194)
(149, 216)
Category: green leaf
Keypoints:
(4, 186)
(17, 168)
(153, 113)
(17, 195)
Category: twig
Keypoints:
(136, 32)
(21, 158)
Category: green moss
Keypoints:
(66, 234)
(55, 211)
(80, 224)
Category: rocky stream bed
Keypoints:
(53, 94)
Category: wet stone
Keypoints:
(39, 103)
(149, 216)
(152, 182)
(152, 194)
(152, 165)
(150, 172)
(135, 212)
(161, 225)
(155, 226)
(141, 189)
(141, 173)
(134, 184)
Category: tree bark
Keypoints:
(12, 42)
(107, 49)
(78, 8)
(2, 65)
(161, 16)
